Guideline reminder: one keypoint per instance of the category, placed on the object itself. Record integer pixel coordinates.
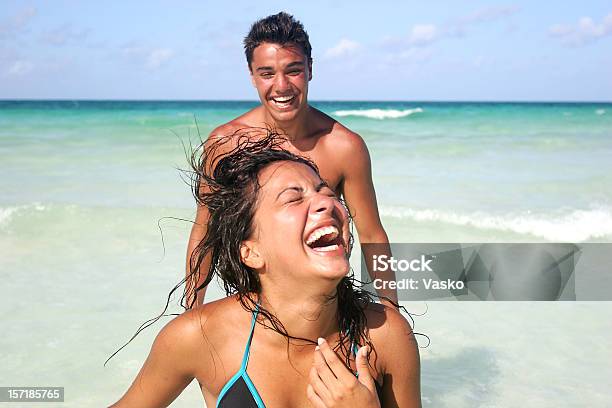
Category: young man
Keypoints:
(278, 54)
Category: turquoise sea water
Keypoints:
(83, 186)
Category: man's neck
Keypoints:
(296, 129)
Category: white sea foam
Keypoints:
(379, 113)
(600, 112)
(7, 213)
(570, 226)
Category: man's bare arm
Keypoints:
(198, 232)
(218, 143)
(360, 197)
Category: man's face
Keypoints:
(280, 73)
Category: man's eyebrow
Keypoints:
(295, 64)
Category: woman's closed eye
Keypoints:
(328, 191)
(291, 195)
(293, 198)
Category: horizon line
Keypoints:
(312, 100)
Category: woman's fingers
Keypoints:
(319, 386)
(323, 370)
(332, 384)
(314, 399)
(363, 369)
(336, 366)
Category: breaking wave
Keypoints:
(569, 226)
(379, 113)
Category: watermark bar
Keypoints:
(492, 272)
(31, 394)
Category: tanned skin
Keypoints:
(298, 284)
(281, 74)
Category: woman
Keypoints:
(295, 332)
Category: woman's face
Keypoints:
(300, 227)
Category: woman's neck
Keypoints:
(305, 315)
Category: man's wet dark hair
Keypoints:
(280, 29)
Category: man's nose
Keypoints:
(281, 82)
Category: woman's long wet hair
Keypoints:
(225, 180)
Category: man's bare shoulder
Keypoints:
(247, 120)
(337, 136)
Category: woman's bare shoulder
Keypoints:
(392, 335)
(382, 318)
(203, 325)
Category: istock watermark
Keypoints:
(534, 271)
(385, 263)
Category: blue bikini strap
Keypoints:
(247, 350)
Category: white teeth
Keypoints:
(327, 248)
(282, 99)
(319, 232)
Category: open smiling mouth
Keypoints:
(283, 101)
(325, 239)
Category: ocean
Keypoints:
(88, 189)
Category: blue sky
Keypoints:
(383, 50)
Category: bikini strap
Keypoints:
(247, 349)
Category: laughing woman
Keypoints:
(295, 332)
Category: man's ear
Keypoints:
(250, 256)
(310, 69)
(252, 77)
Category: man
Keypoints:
(278, 54)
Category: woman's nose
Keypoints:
(323, 203)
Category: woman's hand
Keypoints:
(333, 385)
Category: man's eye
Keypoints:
(295, 72)
(266, 74)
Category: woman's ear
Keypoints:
(250, 256)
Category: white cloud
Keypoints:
(19, 68)
(343, 48)
(585, 31)
(459, 26)
(423, 34)
(17, 23)
(560, 30)
(488, 14)
(63, 35)
(158, 57)
(410, 56)
(133, 50)
(147, 57)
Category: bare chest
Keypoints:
(276, 379)
(329, 168)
